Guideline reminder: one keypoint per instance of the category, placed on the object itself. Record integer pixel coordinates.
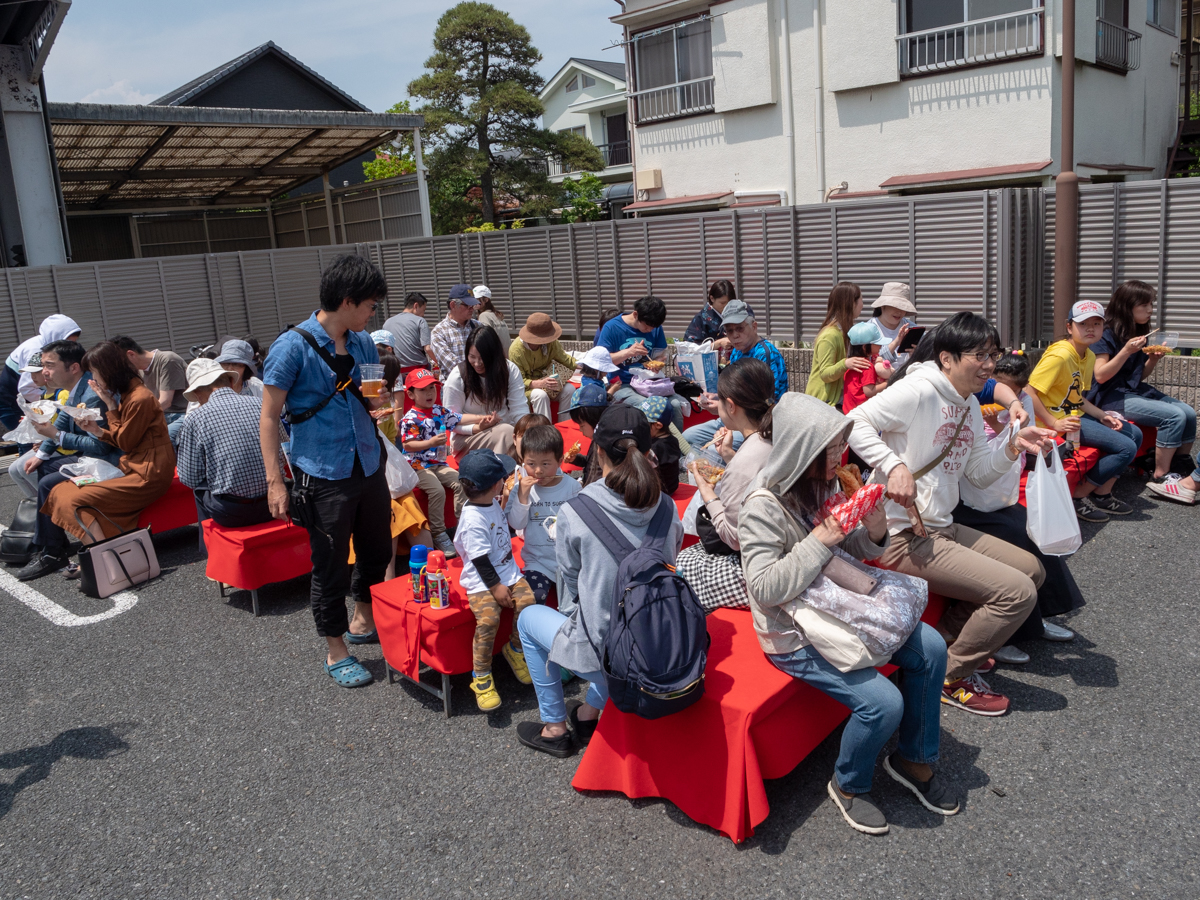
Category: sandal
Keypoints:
(349, 673)
(369, 637)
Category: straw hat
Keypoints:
(540, 329)
(895, 294)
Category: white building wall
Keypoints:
(980, 117)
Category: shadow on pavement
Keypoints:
(93, 743)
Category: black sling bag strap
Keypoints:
(347, 385)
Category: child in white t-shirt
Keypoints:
(490, 575)
(533, 506)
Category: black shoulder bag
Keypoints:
(347, 385)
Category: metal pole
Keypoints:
(819, 106)
(422, 187)
(1066, 192)
(1187, 66)
(328, 208)
(785, 107)
(271, 224)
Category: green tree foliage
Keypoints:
(579, 198)
(394, 158)
(482, 114)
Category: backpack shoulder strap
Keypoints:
(598, 520)
(660, 525)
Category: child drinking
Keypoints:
(541, 489)
(861, 384)
(490, 575)
(663, 442)
(424, 431)
(1058, 385)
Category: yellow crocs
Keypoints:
(516, 659)
(486, 695)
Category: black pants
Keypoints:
(358, 507)
(10, 412)
(228, 513)
(47, 536)
(1058, 594)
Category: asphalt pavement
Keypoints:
(183, 748)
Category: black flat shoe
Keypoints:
(530, 734)
(43, 564)
(583, 729)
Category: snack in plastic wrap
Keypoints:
(1157, 350)
(707, 462)
(852, 511)
(81, 413)
(654, 365)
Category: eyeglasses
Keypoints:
(835, 451)
(980, 356)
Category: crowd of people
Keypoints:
(942, 419)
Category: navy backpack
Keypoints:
(654, 653)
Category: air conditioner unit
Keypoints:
(649, 179)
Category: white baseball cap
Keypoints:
(1086, 309)
(481, 291)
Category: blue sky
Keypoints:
(132, 51)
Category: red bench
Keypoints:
(174, 509)
(247, 558)
(711, 759)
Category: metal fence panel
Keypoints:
(675, 254)
(950, 233)
(818, 273)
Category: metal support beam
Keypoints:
(1066, 192)
(422, 187)
(328, 207)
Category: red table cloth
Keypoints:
(411, 633)
(174, 509)
(247, 558)
(753, 723)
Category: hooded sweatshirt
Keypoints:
(53, 328)
(587, 572)
(917, 417)
(780, 557)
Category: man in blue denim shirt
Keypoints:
(336, 453)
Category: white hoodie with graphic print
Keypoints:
(911, 423)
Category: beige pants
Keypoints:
(994, 582)
(540, 403)
(499, 438)
(433, 482)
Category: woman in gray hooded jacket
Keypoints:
(784, 548)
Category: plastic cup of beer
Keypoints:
(372, 379)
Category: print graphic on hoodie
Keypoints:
(962, 446)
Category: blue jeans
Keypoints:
(537, 626)
(1117, 448)
(699, 435)
(627, 395)
(878, 707)
(1174, 419)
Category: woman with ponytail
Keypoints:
(713, 567)
(569, 636)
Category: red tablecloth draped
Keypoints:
(174, 509)
(412, 633)
(753, 722)
(249, 557)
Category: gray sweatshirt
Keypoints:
(780, 558)
(587, 572)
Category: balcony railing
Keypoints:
(614, 154)
(972, 43)
(673, 100)
(1117, 47)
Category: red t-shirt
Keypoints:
(853, 395)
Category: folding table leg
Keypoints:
(446, 694)
(254, 601)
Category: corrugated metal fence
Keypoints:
(988, 251)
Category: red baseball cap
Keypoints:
(419, 378)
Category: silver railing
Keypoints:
(971, 43)
(669, 101)
(614, 154)
(1117, 46)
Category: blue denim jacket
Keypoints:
(324, 446)
(75, 438)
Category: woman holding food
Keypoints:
(486, 391)
(1125, 357)
(787, 547)
(744, 401)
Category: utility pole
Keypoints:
(1066, 192)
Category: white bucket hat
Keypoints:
(895, 293)
(598, 358)
(201, 373)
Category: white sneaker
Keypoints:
(442, 542)
(1171, 488)
(1052, 632)
(1011, 655)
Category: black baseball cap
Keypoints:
(484, 467)
(618, 423)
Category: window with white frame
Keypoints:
(1162, 14)
(580, 81)
(673, 70)
(940, 34)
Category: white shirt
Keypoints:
(483, 531)
(539, 552)
(515, 406)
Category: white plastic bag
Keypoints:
(1001, 493)
(401, 477)
(93, 468)
(697, 363)
(1052, 524)
(39, 412)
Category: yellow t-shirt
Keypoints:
(1062, 378)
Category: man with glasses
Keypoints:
(336, 456)
(921, 436)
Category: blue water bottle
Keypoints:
(417, 557)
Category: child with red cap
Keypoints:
(424, 435)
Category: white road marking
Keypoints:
(43, 605)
